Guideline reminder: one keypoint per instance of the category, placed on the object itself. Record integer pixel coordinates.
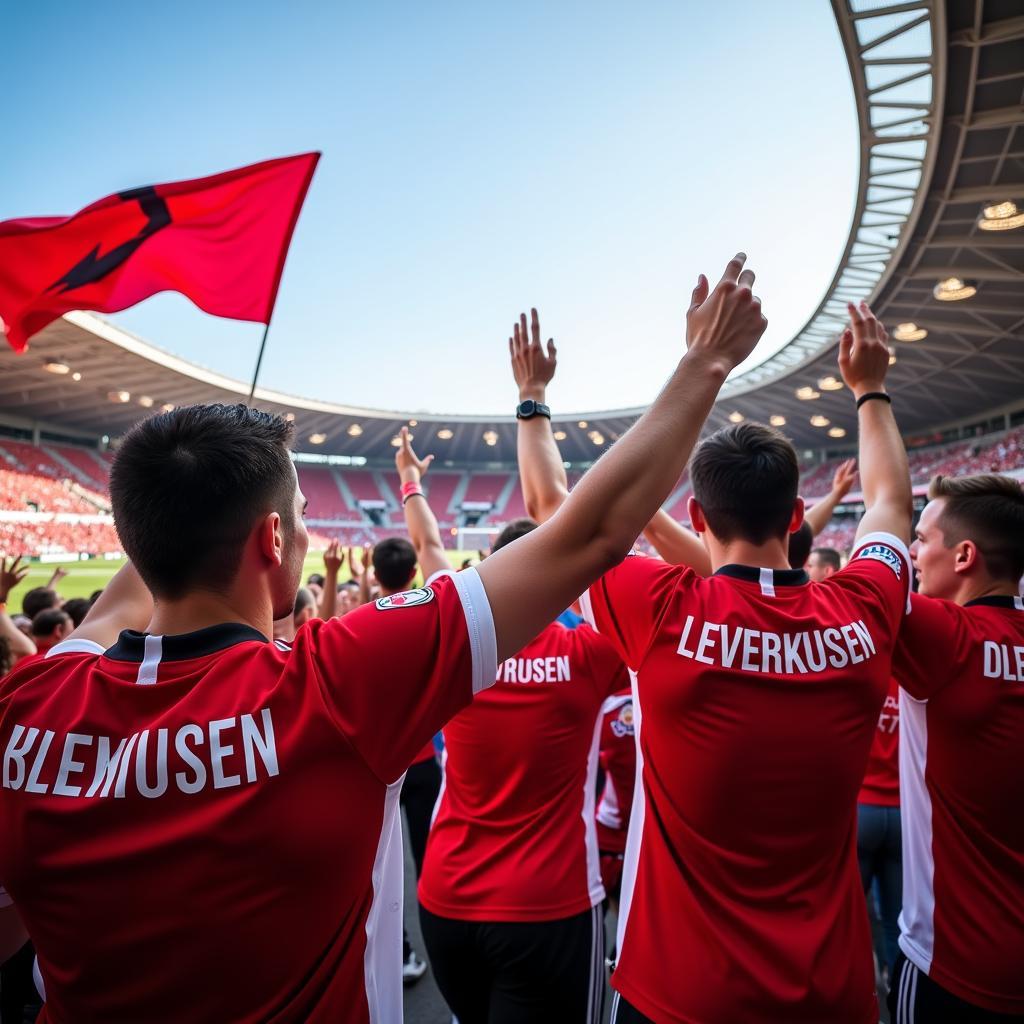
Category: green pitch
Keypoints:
(85, 577)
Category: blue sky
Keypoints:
(586, 158)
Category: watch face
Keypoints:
(527, 408)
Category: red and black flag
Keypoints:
(221, 241)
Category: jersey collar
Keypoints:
(131, 645)
(752, 574)
(998, 601)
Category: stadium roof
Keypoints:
(939, 90)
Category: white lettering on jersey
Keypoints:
(889, 719)
(885, 554)
(1002, 661)
(767, 653)
(535, 670)
(152, 775)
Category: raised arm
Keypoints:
(676, 544)
(420, 520)
(11, 574)
(530, 581)
(541, 471)
(333, 561)
(125, 603)
(819, 517)
(884, 473)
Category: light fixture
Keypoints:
(735, 417)
(414, 423)
(445, 434)
(76, 376)
(1001, 217)
(57, 366)
(807, 394)
(560, 435)
(909, 332)
(167, 407)
(819, 421)
(145, 401)
(777, 421)
(582, 424)
(953, 289)
(317, 438)
(892, 356)
(119, 396)
(596, 436)
(836, 432)
(830, 384)
(354, 430)
(289, 417)
(396, 441)
(490, 437)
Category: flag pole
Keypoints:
(259, 361)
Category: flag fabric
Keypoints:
(221, 241)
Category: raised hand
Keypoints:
(863, 351)
(532, 367)
(844, 478)
(409, 465)
(11, 574)
(334, 557)
(725, 324)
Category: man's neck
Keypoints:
(203, 608)
(772, 555)
(973, 590)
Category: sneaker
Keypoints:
(413, 969)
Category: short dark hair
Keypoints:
(77, 607)
(303, 600)
(800, 542)
(394, 562)
(745, 478)
(38, 599)
(48, 620)
(987, 509)
(317, 578)
(513, 531)
(188, 486)
(830, 557)
(95, 596)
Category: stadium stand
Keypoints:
(321, 491)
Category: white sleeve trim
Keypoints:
(73, 646)
(480, 623)
(894, 542)
(587, 607)
(434, 577)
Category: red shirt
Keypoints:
(618, 761)
(881, 785)
(756, 699)
(204, 827)
(513, 838)
(962, 783)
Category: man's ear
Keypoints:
(966, 556)
(270, 537)
(798, 515)
(696, 514)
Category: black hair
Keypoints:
(38, 599)
(48, 620)
(77, 607)
(800, 542)
(317, 578)
(513, 531)
(745, 478)
(394, 562)
(303, 599)
(830, 557)
(188, 486)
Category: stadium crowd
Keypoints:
(729, 741)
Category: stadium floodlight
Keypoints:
(317, 438)
(146, 401)
(355, 430)
(167, 407)
(892, 356)
(582, 424)
(909, 332)
(837, 432)
(445, 434)
(57, 366)
(490, 437)
(396, 441)
(830, 384)
(735, 416)
(818, 420)
(560, 435)
(119, 396)
(596, 436)
(76, 376)
(953, 289)
(777, 421)
(807, 394)
(1001, 217)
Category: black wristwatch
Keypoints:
(528, 409)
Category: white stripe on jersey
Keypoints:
(767, 580)
(480, 624)
(917, 921)
(635, 834)
(594, 883)
(74, 646)
(151, 655)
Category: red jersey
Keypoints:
(881, 785)
(757, 694)
(618, 762)
(205, 827)
(962, 782)
(513, 837)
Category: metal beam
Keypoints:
(985, 193)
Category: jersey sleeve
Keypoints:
(879, 572)
(627, 604)
(607, 669)
(395, 671)
(932, 641)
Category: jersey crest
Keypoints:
(407, 599)
(885, 554)
(622, 725)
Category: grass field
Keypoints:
(85, 577)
